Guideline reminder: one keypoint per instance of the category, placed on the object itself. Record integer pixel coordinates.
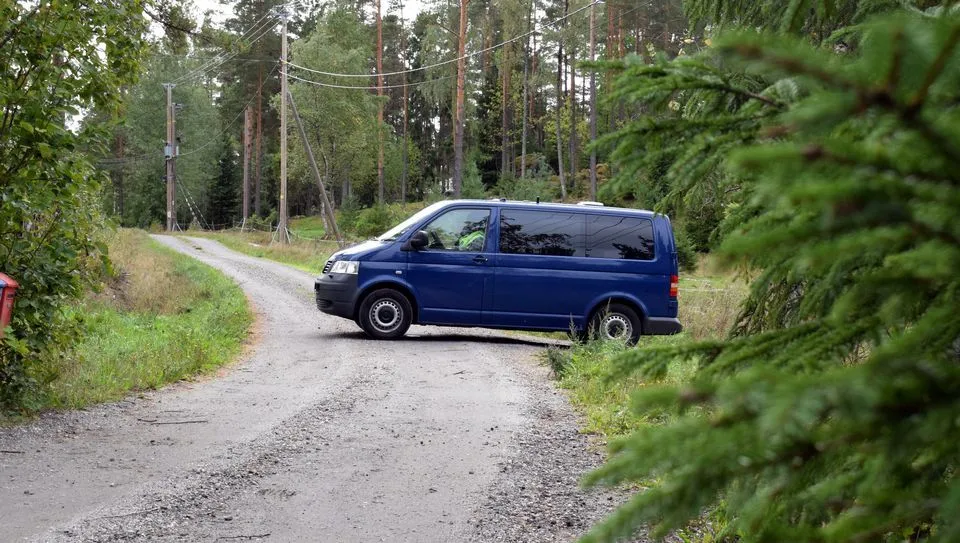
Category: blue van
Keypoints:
(608, 272)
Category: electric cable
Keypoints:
(333, 86)
(445, 62)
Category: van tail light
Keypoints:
(674, 286)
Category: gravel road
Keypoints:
(316, 434)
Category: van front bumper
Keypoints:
(336, 294)
(661, 326)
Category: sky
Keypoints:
(410, 8)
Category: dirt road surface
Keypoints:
(316, 434)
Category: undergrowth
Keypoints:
(709, 302)
(162, 317)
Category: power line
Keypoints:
(216, 138)
(220, 59)
(192, 204)
(236, 59)
(216, 63)
(333, 86)
(451, 61)
(106, 162)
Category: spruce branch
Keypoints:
(791, 65)
(725, 87)
(936, 69)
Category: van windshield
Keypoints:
(405, 226)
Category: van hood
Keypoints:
(361, 249)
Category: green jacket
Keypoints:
(472, 241)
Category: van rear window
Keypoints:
(541, 233)
(619, 237)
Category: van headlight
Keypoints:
(345, 266)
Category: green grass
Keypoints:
(709, 303)
(164, 317)
(583, 368)
(308, 227)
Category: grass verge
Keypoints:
(162, 317)
(709, 303)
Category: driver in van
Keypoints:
(472, 237)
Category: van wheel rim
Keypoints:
(386, 315)
(616, 326)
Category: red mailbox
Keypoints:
(8, 291)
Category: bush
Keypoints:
(530, 189)
(49, 219)
(373, 221)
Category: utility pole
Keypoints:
(282, 232)
(593, 104)
(247, 144)
(331, 218)
(170, 152)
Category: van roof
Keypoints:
(582, 206)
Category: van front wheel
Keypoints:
(385, 314)
(617, 322)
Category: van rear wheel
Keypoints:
(385, 314)
(615, 322)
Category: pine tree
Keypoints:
(831, 412)
(224, 202)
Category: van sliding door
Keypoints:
(540, 253)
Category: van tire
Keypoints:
(615, 321)
(385, 314)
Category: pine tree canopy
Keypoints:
(832, 412)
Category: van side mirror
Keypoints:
(417, 241)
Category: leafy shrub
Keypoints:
(472, 183)
(49, 220)
(373, 221)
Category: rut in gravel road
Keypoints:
(316, 434)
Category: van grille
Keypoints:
(327, 266)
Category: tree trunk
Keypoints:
(459, 115)
(406, 158)
(257, 171)
(572, 96)
(534, 96)
(612, 37)
(506, 164)
(563, 182)
(593, 105)
(118, 179)
(380, 184)
(247, 151)
(526, 92)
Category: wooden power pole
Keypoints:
(170, 153)
(283, 235)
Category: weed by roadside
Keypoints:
(708, 308)
(162, 317)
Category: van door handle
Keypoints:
(479, 259)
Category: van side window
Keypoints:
(541, 233)
(458, 230)
(620, 237)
